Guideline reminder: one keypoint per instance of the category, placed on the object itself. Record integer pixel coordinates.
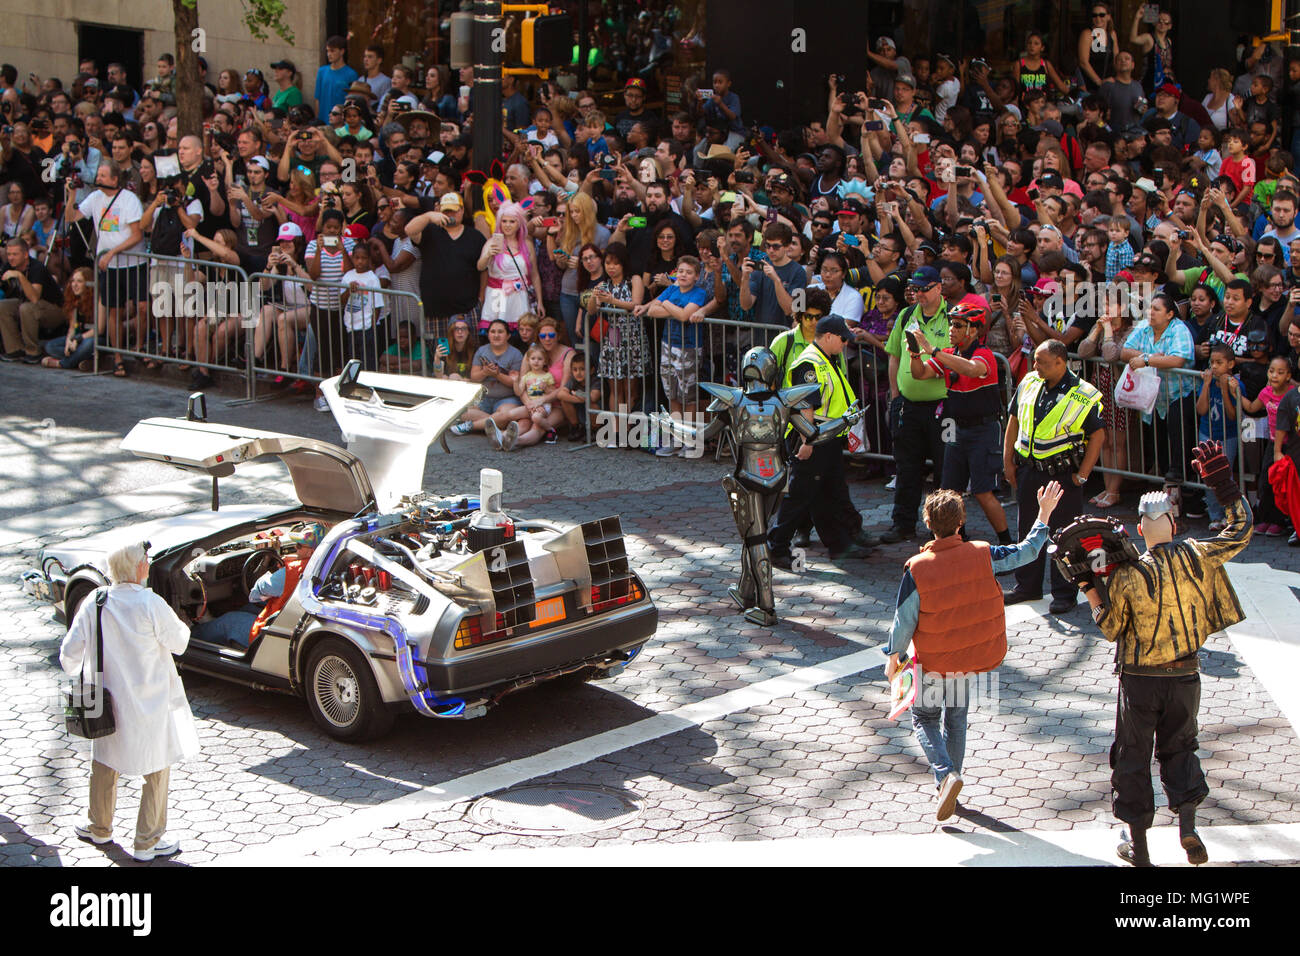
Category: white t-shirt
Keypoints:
(113, 219)
(359, 312)
(945, 96)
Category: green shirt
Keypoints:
(283, 99)
(935, 330)
(1192, 278)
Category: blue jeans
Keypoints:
(1212, 506)
(569, 308)
(232, 628)
(941, 729)
(84, 350)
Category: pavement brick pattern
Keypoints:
(820, 762)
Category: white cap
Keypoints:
(260, 161)
(288, 230)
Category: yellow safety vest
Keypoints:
(836, 393)
(1061, 429)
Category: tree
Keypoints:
(260, 16)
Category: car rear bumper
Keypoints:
(614, 636)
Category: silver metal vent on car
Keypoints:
(607, 557)
(512, 583)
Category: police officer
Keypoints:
(818, 485)
(1054, 432)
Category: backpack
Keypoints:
(165, 240)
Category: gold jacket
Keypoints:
(1164, 605)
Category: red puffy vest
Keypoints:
(962, 627)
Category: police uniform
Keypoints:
(818, 486)
(1055, 424)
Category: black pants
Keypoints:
(818, 488)
(1029, 577)
(1173, 438)
(918, 435)
(327, 326)
(1160, 710)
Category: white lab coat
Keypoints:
(155, 728)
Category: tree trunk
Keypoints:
(189, 93)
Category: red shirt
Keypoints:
(1240, 171)
(970, 397)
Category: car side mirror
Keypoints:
(197, 410)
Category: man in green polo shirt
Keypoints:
(915, 404)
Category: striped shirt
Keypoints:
(331, 271)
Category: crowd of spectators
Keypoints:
(575, 270)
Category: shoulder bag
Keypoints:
(88, 708)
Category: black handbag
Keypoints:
(88, 708)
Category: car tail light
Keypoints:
(606, 597)
(470, 632)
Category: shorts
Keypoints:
(117, 287)
(490, 406)
(679, 370)
(974, 457)
(546, 408)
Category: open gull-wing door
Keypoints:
(389, 421)
(324, 475)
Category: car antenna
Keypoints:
(196, 410)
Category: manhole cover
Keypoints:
(548, 810)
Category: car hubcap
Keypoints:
(338, 691)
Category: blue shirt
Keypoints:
(1176, 341)
(332, 87)
(1006, 557)
(678, 334)
(1215, 423)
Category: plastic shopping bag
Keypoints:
(902, 689)
(857, 437)
(1138, 389)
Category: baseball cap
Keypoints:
(853, 207)
(782, 181)
(635, 83)
(284, 65)
(1051, 179)
(923, 277)
(1169, 90)
(450, 201)
(1046, 286)
(288, 230)
(436, 157)
(355, 230)
(409, 100)
(260, 161)
(834, 325)
(907, 79)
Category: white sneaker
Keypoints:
(493, 433)
(320, 404)
(889, 485)
(165, 846)
(461, 428)
(509, 437)
(665, 451)
(83, 831)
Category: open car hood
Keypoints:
(389, 421)
(324, 475)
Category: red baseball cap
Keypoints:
(635, 83)
(355, 230)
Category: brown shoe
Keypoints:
(948, 792)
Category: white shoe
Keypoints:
(889, 485)
(509, 437)
(493, 433)
(665, 451)
(461, 428)
(948, 797)
(320, 404)
(83, 831)
(165, 846)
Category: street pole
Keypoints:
(485, 98)
(584, 44)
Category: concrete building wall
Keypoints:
(42, 37)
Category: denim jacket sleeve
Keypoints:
(1008, 557)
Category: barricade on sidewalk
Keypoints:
(307, 329)
(174, 309)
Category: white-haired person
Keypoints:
(154, 726)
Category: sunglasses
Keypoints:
(773, 245)
(546, 335)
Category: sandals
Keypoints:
(50, 362)
(1104, 500)
(119, 371)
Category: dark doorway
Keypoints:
(107, 45)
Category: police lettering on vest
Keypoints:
(1061, 430)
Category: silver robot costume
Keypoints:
(757, 414)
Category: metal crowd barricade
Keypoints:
(1157, 452)
(630, 390)
(306, 330)
(176, 310)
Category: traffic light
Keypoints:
(547, 40)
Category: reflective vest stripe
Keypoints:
(1061, 428)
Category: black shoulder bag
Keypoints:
(88, 708)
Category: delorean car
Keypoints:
(441, 604)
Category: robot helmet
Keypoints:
(758, 370)
(1091, 546)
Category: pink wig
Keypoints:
(516, 211)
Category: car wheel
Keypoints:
(341, 693)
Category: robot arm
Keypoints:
(816, 434)
(684, 432)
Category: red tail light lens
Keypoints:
(602, 600)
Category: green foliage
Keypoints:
(260, 16)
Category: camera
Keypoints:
(876, 104)
(854, 241)
(74, 147)
(207, 169)
(964, 171)
(1184, 234)
(874, 126)
(172, 196)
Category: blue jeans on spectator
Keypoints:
(1212, 506)
(85, 349)
(941, 729)
(361, 345)
(569, 312)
